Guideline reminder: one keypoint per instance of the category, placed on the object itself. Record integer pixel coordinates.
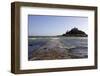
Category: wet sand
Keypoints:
(53, 49)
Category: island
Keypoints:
(75, 32)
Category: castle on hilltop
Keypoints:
(75, 32)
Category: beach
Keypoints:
(57, 48)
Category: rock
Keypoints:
(75, 32)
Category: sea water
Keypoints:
(77, 46)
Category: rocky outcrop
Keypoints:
(75, 32)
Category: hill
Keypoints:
(75, 32)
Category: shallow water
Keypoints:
(77, 46)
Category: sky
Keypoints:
(42, 25)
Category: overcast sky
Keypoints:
(39, 25)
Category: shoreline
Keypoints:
(54, 49)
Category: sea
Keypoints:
(77, 46)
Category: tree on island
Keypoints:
(75, 32)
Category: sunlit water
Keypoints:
(77, 46)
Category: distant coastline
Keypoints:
(74, 32)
